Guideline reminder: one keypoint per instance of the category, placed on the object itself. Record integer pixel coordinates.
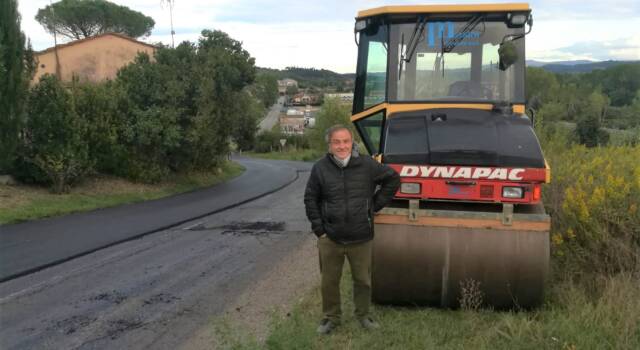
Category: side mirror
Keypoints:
(532, 114)
(508, 55)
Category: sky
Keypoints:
(319, 33)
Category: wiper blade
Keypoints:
(415, 37)
(458, 37)
(412, 44)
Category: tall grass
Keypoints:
(594, 201)
(607, 317)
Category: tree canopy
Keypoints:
(77, 19)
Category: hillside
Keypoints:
(579, 66)
(306, 77)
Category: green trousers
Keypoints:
(332, 256)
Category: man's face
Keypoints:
(340, 144)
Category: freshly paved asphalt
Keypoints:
(31, 246)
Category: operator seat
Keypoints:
(469, 88)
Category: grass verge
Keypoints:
(573, 317)
(306, 155)
(21, 203)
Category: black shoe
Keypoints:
(326, 326)
(368, 323)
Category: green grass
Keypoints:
(21, 203)
(573, 317)
(305, 155)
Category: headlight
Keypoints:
(518, 20)
(360, 25)
(512, 192)
(410, 188)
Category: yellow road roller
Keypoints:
(440, 97)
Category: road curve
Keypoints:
(172, 289)
(31, 246)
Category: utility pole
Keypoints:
(171, 19)
(170, 2)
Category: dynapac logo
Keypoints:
(454, 172)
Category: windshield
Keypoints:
(454, 61)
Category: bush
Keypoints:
(55, 137)
(594, 201)
(267, 141)
(97, 105)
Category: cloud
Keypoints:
(622, 49)
(560, 10)
(316, 33)
(290, 44)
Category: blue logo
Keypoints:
(437, 31)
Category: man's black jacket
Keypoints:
(341, 201)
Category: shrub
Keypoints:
(267, 141)
(594, 201)
(55, 137)
(97, 105)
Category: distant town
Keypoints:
(301, 105)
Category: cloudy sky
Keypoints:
(319, 33)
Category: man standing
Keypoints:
(340, 200)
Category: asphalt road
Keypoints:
(272, 116)
(157, 291)
(30, 246)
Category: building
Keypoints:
(284, 84)
(346, 98)
(95, 58)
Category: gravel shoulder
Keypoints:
(277, 292)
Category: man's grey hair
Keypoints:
(329, 133)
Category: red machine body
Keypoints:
(470, 184)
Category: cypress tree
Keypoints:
(16, 69)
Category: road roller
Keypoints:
(440, 97)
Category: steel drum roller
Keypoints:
(417, 263)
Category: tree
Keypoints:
(541, 86)
(248, 111)
(265, 89)
(588, 125)
(181, 111)
(77, 19)
(150, 131)
(332, 112)
(291, 90)
(225, 69)
(16, 69)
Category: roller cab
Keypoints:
(439, 97)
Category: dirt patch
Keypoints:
(71, 324)
(113, 297)
(253, 228)
(18, 195)
(161, 298)
(278, 291)
(117, 327)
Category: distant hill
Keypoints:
(306, 77)
(534, 63)
(578, 66)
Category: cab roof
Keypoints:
(412, 9)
